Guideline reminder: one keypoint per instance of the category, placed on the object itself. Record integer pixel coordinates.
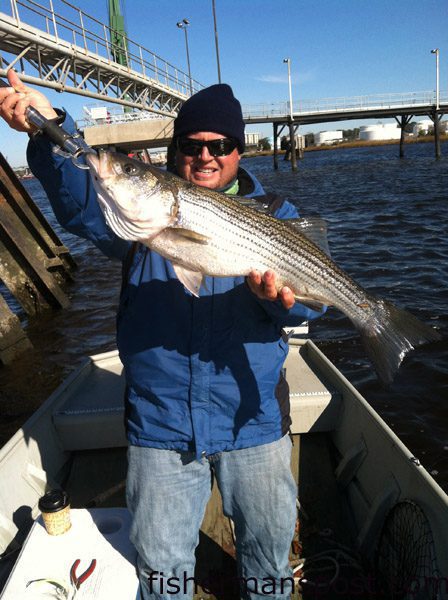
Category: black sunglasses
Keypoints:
(221, 147)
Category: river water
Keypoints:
(388, 223)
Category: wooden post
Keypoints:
(293, 146)
(275, 146)
(33, 261)
(23, 265)
(57, 255)
(13, 339)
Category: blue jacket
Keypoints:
(203, 374)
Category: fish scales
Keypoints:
(204, 232)
(283, 249)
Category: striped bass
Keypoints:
(204, 232)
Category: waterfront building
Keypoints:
(252, 140)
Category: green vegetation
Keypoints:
(264, 144)
(350, 135)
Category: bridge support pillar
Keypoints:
(292, 141)
(435, 117)
(288, 145)
(275, 146)
(402, 122)
(277, 133)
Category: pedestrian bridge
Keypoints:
(61, 47)
(141, 129)
(372, 106)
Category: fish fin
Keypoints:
(190, 235)
(192, 280)
(389, 334)
(310, 302)
(314, 228)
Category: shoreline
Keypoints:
(355, 144)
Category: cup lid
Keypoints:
(53, 501)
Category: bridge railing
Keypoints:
(344, 104)
(66, 22)
(99, 114)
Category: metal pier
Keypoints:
(61, 47)
(403, 107)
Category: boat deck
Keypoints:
(352, 473)
(324, 519)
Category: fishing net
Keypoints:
(406, 566)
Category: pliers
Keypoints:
(76, 580)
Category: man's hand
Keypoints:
(264, 287)
(15, 99)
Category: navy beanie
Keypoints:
(212, 109)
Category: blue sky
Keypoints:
(337, 48)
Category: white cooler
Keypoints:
(101, 533)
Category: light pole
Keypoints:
(436, 52)
(216, 42)
(288, 62)
(183, 25)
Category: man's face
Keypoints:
(208, 171)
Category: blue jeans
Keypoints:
(167, 492)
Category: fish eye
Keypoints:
(129, 169)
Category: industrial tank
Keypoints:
(327, 137)
(380, 131)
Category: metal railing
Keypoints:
(113, 115)
(345, 104)
(303, 107)
(68, 23)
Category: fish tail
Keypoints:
(389, 334)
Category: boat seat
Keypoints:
(315, 402)
(91, 412)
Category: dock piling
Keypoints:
(13, 340)
(33, 261)
(35, 222)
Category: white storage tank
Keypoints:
(380, 131)
(327, 137)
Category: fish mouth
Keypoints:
(92, 161)
(100, 164)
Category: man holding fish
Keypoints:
(203, 360)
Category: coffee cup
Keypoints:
(55, 509)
